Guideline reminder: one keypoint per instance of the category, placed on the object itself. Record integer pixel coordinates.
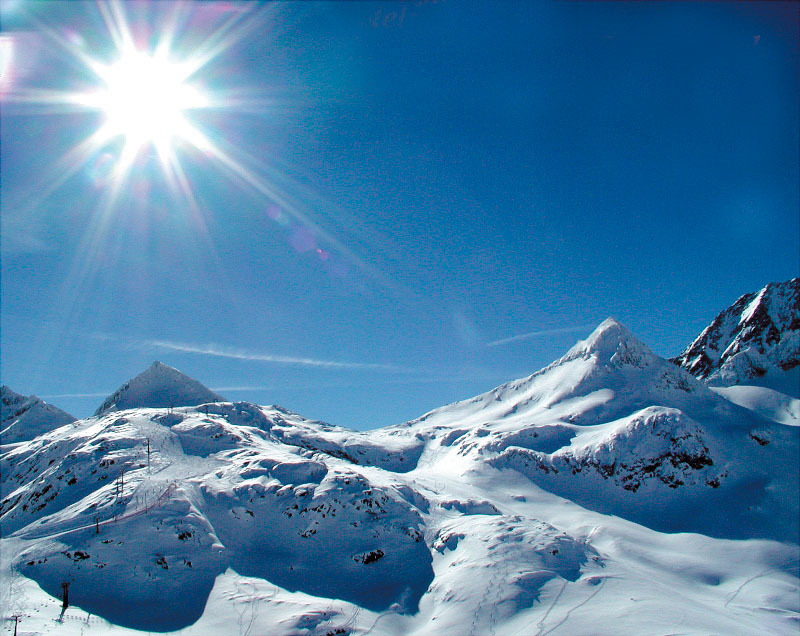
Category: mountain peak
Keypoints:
(755, 340)
(158, 368)
(612, 342)
(24, 417)
(158, 386)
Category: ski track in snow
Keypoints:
(767, 572)
(377, 620)
(479, 609)
(249, 612)
(540, 623)
(570, 610)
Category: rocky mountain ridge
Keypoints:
(754, 341)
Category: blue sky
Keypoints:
(408, 188)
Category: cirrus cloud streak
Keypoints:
(536, 334)
(220, 351)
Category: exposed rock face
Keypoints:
(757, 336)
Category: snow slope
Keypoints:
(611, 492)
(98, 509)
(755, 341)
(766, 402)
(24, 417)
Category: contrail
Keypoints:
(240, 354)
(536, 334)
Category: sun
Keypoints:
(145, 99)
(160, 107)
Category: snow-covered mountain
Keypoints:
(159, 386)
(616, 428)
(755, 341)
(611, 492)
(25, 417)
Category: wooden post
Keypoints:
(65, 595)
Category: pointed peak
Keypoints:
(159, 386)
(610, 325)
(613, 342)
(160, 367)
(8, 393)
(610, 332)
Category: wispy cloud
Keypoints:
(220, 351)
(536, 334)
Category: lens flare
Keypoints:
(148, 76)
(145, 90)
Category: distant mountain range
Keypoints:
(611, 492)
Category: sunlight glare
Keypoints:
(6, 62)
(145, 100)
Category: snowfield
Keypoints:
(610, 493)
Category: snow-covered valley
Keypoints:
(612, 492)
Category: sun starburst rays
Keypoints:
(145, 96)
(149, 86)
